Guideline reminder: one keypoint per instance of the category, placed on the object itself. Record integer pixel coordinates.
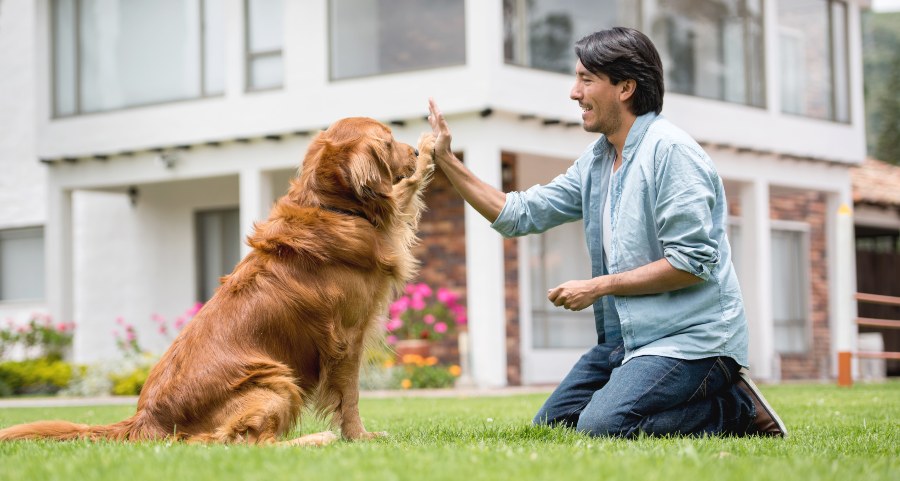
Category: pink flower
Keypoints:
(398, 306)
(179, 323)
(462, 319)
(429, 319)
(391, 339)
(446, 296)
(440, 328)
(120, 321)
(129, 335)
(418, 303)
(157, 318)
(61, 327)
(194, 309)
(393, 324)
(163, 330)
(423, 290)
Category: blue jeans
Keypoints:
(653, 395)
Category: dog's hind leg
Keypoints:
(265, 407)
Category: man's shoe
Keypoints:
(766, 423)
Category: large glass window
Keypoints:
(710, 48)
(22, 264)
(812, 37)
(371, 37)
(218, 248)
(542, 33)
(110, 54)
(559, 255)
(265, 38)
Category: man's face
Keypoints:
(598, 99)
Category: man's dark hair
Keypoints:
(624, 53)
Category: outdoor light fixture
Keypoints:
(168, 159)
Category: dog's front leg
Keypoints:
(406, 192)
(344, 380)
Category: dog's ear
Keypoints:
(370, 178)
(367, 169)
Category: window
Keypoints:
(812, 38)
(557, 256)
(710, 48)
(542, 33)
(218, 248)
(112, 54)
(371, 37)
(22, 264)
(265, 39)
(790, 284)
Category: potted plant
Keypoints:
(421, 316)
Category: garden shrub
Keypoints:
(34, 376)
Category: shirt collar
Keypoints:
(634, 138)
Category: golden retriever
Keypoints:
(288, 327)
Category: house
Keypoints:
(876, 195)
(140, 140)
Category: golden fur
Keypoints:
(287, 328)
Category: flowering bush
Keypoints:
(127, 339)
(40, 337)
(417, 372)
(424, 314)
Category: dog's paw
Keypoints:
(368, 436)
(426, 146)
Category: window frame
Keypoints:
(832, 70)
(250, 57)
(803, 229)
(78, 112)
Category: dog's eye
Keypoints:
(399, 178)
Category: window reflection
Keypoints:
(370, 37)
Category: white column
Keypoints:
(58, 254)
(256, 201)
(756, 278)
(842, 276)
(484, 276)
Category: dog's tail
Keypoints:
(67, 431)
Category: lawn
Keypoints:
(839, 434)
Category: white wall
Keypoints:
(136, 261)
(22, 177)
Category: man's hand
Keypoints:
(574, 295)
(441, 130)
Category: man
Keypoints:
(672, 334)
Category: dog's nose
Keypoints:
(416, 151)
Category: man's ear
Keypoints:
(627, 88)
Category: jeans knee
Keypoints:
(609, 425)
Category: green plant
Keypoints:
(35, 376)
(423, 313)
(417, 372)
(39, 337)
(130, 383)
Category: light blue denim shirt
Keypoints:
(667, 202)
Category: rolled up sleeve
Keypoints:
(542, 207)
(686, 195)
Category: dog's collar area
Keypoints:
(354, 213)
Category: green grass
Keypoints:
(839, 434)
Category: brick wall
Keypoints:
(511, 285)
(442, 251)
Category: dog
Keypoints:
(288, 327)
